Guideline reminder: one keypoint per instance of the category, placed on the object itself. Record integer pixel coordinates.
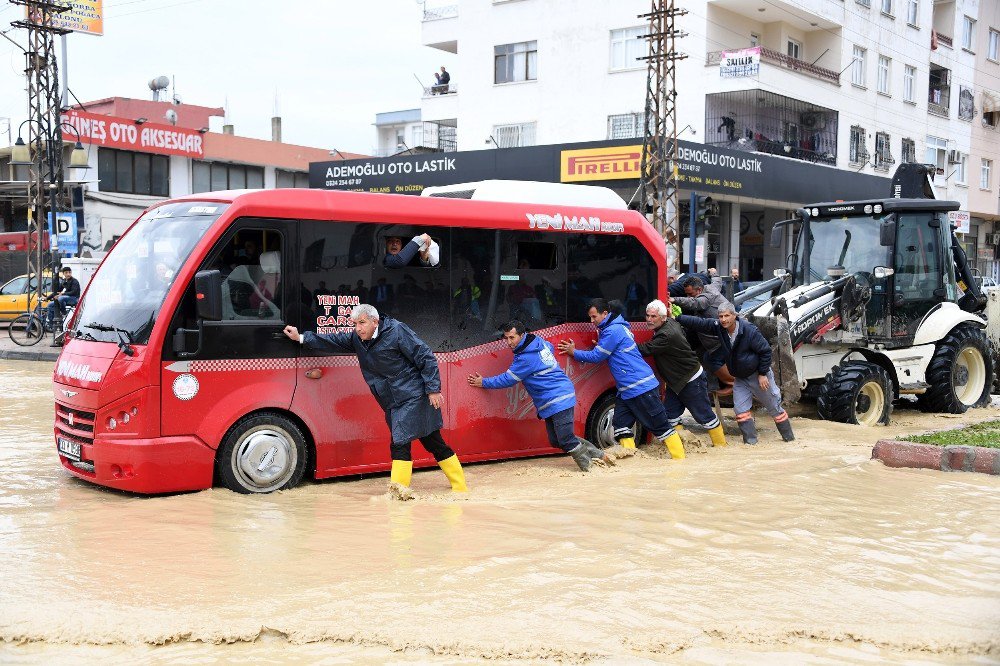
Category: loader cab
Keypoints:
(897, 250)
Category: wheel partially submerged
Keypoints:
(856, 392)
(600, 430)
(262, 453)
(960, 373)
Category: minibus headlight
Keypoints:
(112, 423)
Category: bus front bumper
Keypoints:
(148, 466)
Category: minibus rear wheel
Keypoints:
(261, 453)
(599, 428)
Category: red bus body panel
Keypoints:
(169, 444)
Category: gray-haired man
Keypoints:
(402, 373)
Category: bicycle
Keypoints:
(29, 328)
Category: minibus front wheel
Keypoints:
(261, 453)
(600, 431)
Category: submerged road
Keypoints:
(806, 552)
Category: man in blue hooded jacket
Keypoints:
(638, 388)
(550, 389)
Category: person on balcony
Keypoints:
(443, 79)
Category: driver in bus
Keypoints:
(418, 252)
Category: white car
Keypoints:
(986, 282)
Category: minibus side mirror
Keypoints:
(208, 295)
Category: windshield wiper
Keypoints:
(124, 337)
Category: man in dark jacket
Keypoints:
(399, 253)
(705, 302)
(638, 396)
(65, 293)
(402, 373)
(678, 365)
(748, 357)
(550, 389)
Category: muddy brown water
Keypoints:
(782, 553)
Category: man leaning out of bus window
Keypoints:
(402, 373)
(421, 248)
(550, 389)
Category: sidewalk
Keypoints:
(38, 352)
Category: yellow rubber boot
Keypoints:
(627, 442)
(453, 470)
(718, 436)
(675, 446)
(402, 471)
(679, 426)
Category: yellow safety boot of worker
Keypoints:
(402, 471)
(453, 470)
(717, 435)
(675, 446)
(679, 426)
(627, 442)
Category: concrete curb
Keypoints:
(943, 458)
(24, 355)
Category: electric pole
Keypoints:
(659, 145)
(45, 179)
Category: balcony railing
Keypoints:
(447, 89)
(438, 13)
(945, 40)
(788, 62)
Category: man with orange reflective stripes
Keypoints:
(748, 357)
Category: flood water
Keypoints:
(782, 553)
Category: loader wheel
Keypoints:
(856, 392)
(960, 373)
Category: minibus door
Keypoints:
(215, 372)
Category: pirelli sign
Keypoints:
(618, 163)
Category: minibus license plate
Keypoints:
(69, 449)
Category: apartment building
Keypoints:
(831, 96)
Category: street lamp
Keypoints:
(20, 154)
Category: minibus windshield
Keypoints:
(127, 292)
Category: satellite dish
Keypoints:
(171, 116)
(159, 83)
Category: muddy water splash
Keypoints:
(806, 552)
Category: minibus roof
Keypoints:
(526, 191)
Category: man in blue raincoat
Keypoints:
(402, 373)
(638, 396)
(550, 389)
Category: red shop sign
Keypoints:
(122, 133)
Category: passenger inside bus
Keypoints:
(422, 250)
(251, 290)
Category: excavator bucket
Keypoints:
(776, 330)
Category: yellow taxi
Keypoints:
(14, 295)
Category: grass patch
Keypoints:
(985, 434)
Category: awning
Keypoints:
(991, 101)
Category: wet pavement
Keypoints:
(806, 552)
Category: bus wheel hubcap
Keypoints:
(265, 458)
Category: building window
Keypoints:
(887, 7)
(864, 3)
(883, 151)
(884, 64)
(627, 45)
(858, 154)
(217, 176)
(937, 150)
(939, 90)
(515, 62)
(912, 10)
(991, 118)
(512, 136)
(625, 126)
(993, 50)
(299, 179)
(968, 31)
(858, 69)
(909, 83)
(961, 169)
(909, 151)
(133, 173)
(985, 169)
(794, 49)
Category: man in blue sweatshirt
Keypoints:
(550, 389)
(638, 388)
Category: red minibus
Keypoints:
(176, 375)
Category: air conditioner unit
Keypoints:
(994, 238)
(954, 157)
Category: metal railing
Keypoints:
(435, 90)
(438, 13)
(786, 61)
(945, 40)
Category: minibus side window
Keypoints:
(415, 294)
(611, 267)
(336, 270)
(251, 268)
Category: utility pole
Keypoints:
(659, 145)
(45, 179)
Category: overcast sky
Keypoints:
(334, 64)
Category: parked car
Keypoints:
(985, 282)
(14, 295)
